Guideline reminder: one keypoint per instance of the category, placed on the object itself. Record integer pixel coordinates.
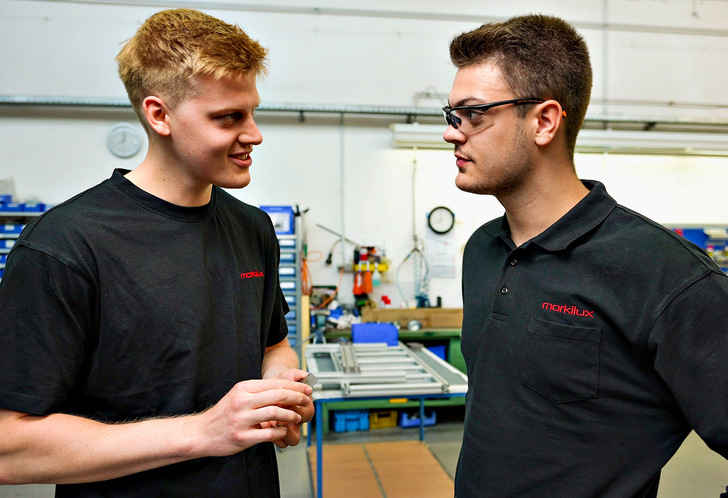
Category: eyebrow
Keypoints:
(467, 101)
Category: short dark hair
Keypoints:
(539, 56)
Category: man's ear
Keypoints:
(156, 114)
(549, 121)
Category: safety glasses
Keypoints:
(469, 118)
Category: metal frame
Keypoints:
(360, 371)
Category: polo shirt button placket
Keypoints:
(504, 290)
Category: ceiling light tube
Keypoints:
(429, 136)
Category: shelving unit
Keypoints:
(11, 224)
(713, 239)
(288, 230)
(290, 281)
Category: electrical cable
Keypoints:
(419, 262)
(421, 282)
(306, 279)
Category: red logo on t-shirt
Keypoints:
(252, 274)
(569, 310)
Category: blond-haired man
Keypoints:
(137, 359)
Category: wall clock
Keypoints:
(124, 140)
(441, 219)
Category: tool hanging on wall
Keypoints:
(357, 289)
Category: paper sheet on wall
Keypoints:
(441, 254)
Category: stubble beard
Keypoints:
(505, 177)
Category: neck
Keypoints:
(532, 209)
(156, 178)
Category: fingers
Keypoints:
(291, 383)
(290, 436)
(293, 374)
(293, 435)
(249, 394)
(306, 412)
(255, 411)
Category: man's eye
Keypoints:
(233, 116)
(471, 114)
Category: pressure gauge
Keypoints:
(124, 140)
(441, 220)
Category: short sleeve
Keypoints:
(44, 325)
(689, 342)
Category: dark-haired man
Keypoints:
(594, 338)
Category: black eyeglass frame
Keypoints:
(454, 121)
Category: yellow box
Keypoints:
(382, 419)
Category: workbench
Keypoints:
(356, 373)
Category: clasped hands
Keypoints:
(256, 411)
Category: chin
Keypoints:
(235, 181)
(470, 187)
(463, 184)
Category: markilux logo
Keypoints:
(252, 274)
(569, 310)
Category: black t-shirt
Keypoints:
(117, 306)
(591, 352)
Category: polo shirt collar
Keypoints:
(582, 218)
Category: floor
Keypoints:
(694, 471)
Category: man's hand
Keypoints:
(256, 411)
(305, 411)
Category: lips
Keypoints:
(240, 157)
(461, 161)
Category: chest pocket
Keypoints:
(561, 362)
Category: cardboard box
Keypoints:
(429, 318)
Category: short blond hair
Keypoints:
(172, 47)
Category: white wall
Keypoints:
(348, 175)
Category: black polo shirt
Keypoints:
(591, 351)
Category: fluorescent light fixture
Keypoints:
(425, 136)
(653, 142)
(428, 136)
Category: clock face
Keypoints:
(124, 140)
(441, 220)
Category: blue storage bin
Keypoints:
(439, 351)
(288, 258)
(375, 332)
(351, 420)
(14, 207)
(413, 420)
(35, 207)
(287, 272)
(11, 228)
